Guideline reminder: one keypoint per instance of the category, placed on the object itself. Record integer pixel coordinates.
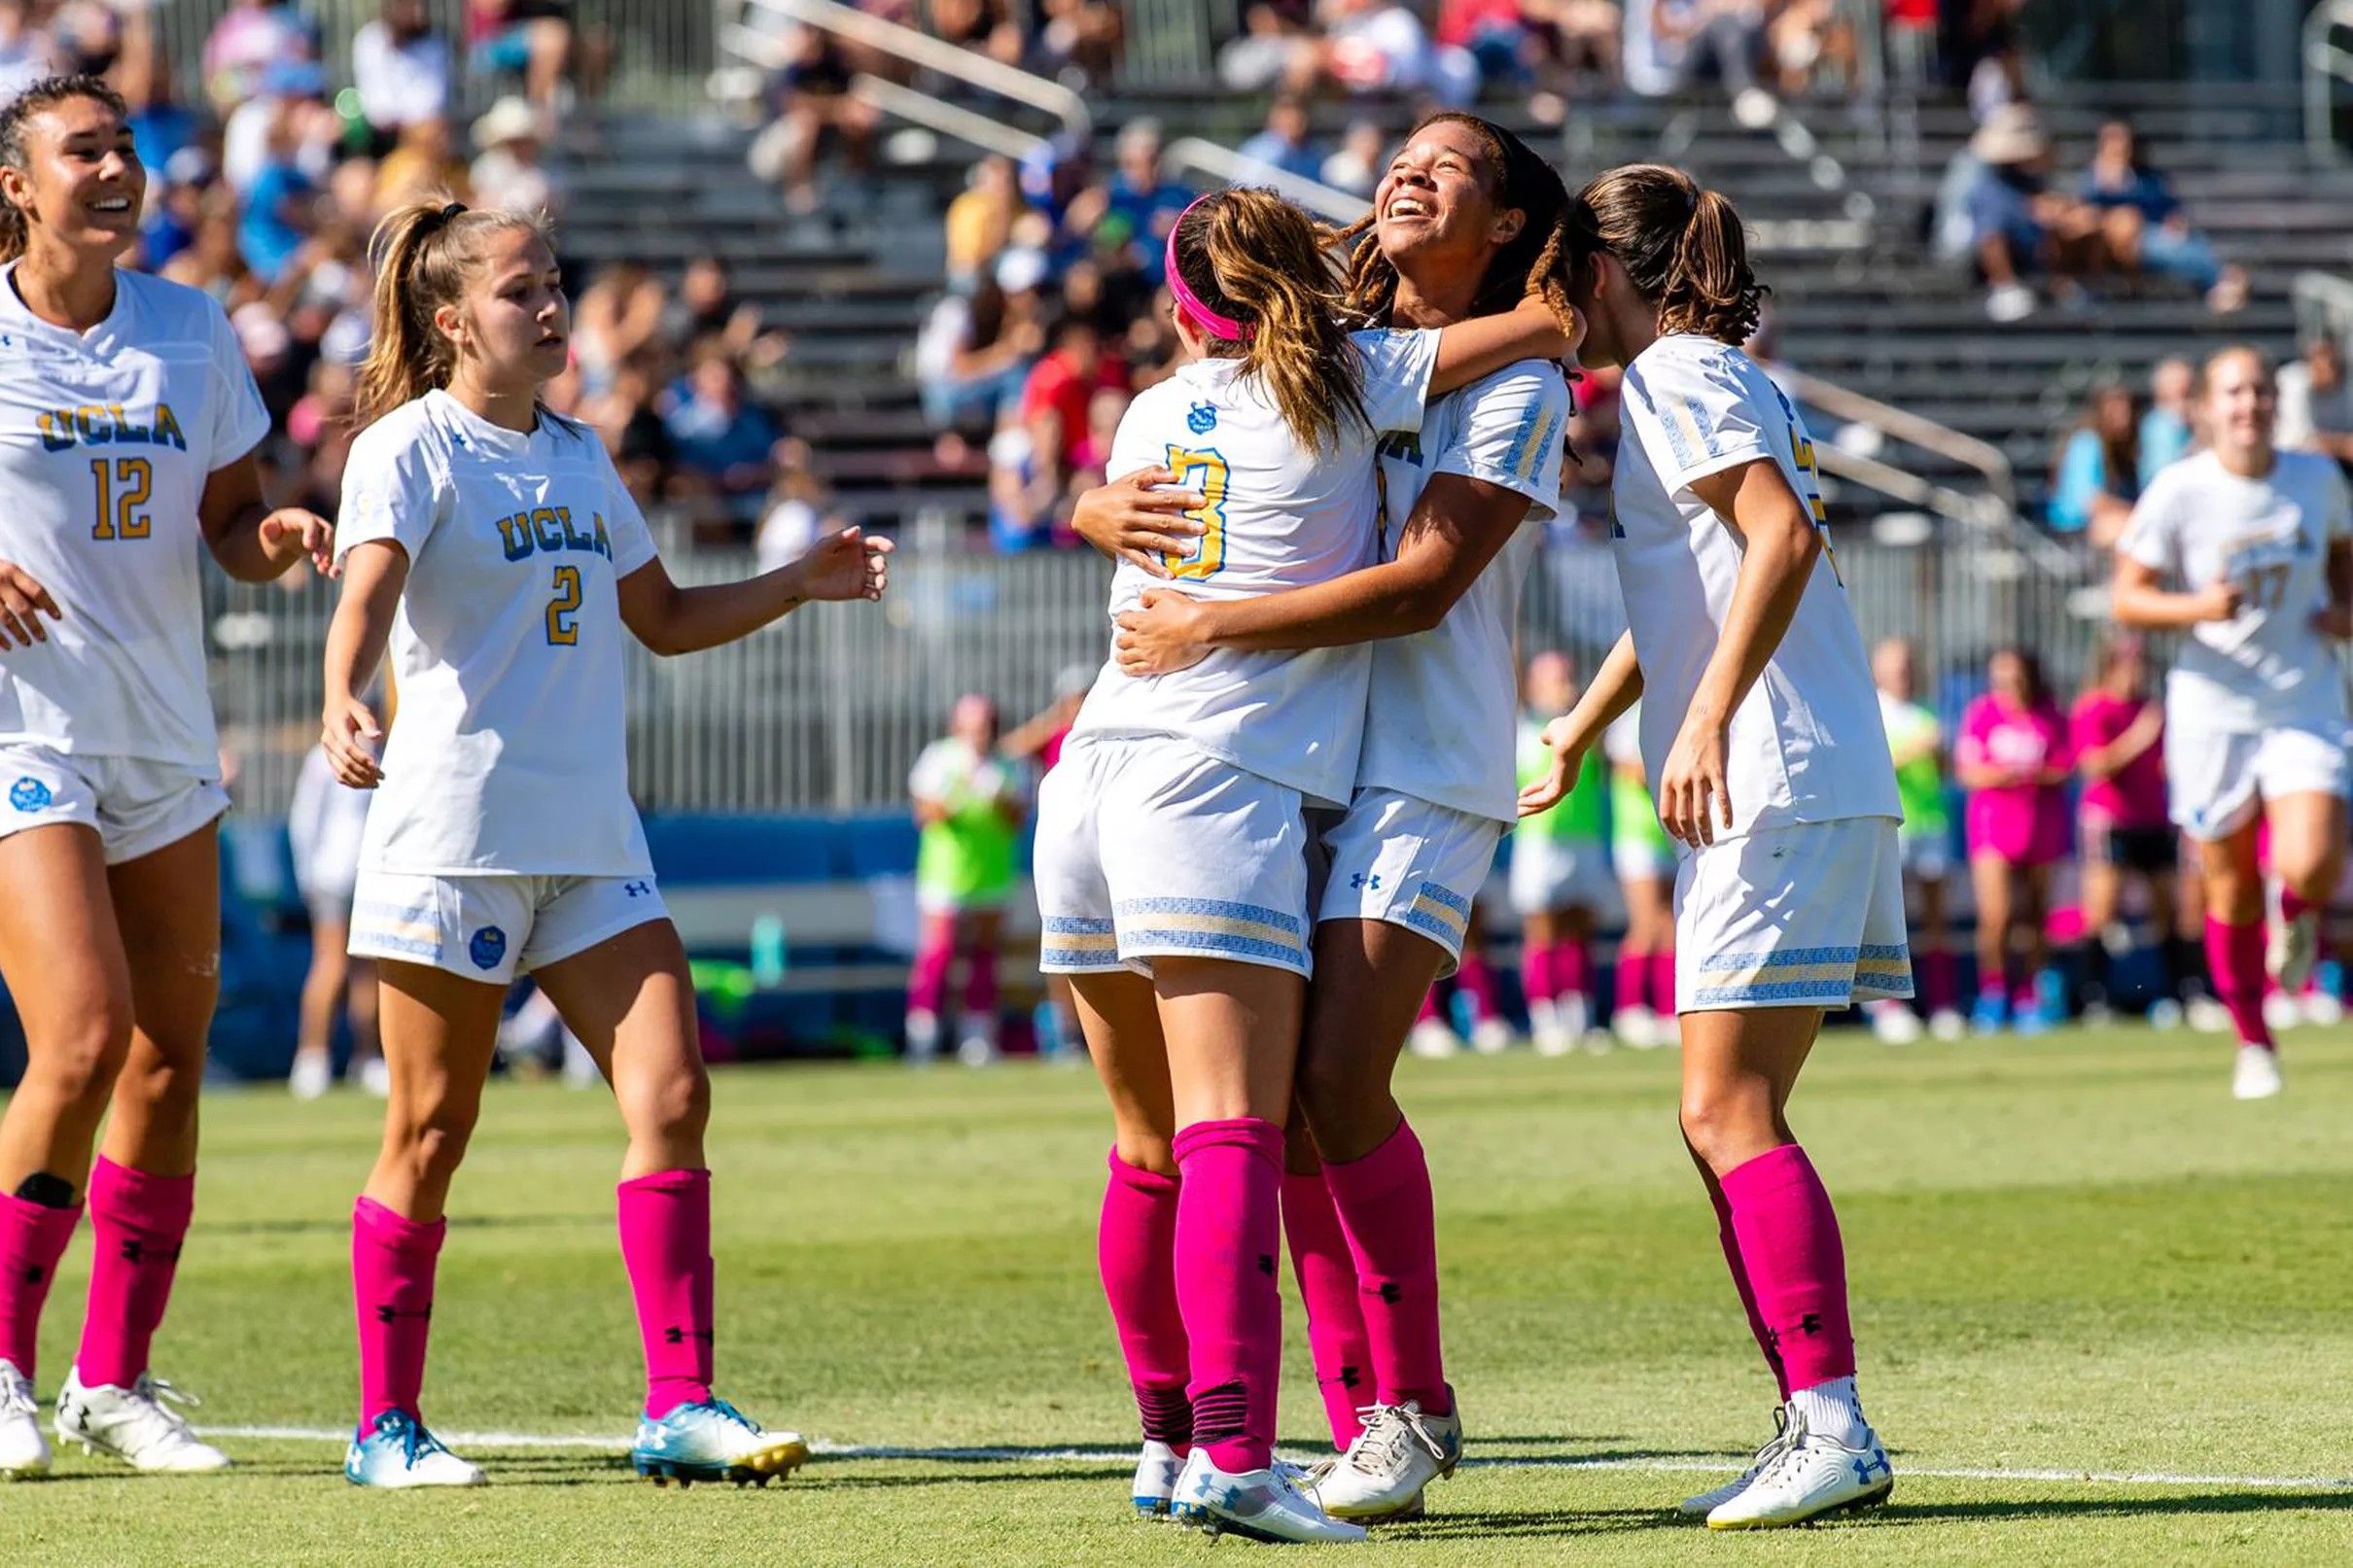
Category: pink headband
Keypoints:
(1209, 321)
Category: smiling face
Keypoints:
(2241, 402)
(1435, 211)
(513, 326)
(82, 183)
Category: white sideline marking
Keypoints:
(1127, 1456)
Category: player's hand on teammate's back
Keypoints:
(290, 530)
(1166, 631)
(1137, 520)
(2222, 600)
(1554, 787)
(847, 565)
(22, 600)
(1690, 787)
(349, 734)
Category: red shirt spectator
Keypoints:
(1065, 381)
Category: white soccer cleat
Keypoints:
(976, 1040)
(711, 1439)
(2323, 1008)
(311, 1075)
(923, 1036)
(375, 1078)
(1699, 1507)
(1812, 1475)
(2257, 1074)
(1947, 1024)
(2165, 1015)
(23, 1451)
(1490, 1036)
(1894, 1023)
(1551, 1041)
(2293, 949)
(2281, 1012)
(398, 1455)
(1399, 1453)
(1156, 1470)
(136, 1425)
(1433, 1040)
(1262, 1505)
(2206, 1015)
(1637, 1025)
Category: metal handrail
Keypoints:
(935, 54)
(2326, 64)
(933, 112)
(1855, 409)
(1325, 201)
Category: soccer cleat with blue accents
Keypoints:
(711, 1439)
(1260, 1505)
(397, 1453)
(1991, 1012)
(1156, 1470)
(1812, 1475)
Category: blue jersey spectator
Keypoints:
(1283, 143)
(2097, 476)
(1145, 199)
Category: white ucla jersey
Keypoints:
(2199, 524)
(1441, 724)
(1805, 744)
(1278, 515)
(107, 438)
(510, 751)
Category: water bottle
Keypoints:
(768, 952)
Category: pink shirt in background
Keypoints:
(2134, 795)
(2025, 824)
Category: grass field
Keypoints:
(2104, 1318)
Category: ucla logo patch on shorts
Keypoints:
(487, 947)
(30, 795)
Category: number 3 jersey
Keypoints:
(106, 441)
(509, 754)
(2199, 524)
(1277, 516)
(1805, 744)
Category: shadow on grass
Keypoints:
(2093, 1507)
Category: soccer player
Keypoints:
(1560, 872)
(1642, 1011)
(1468, 222)
(1771, 769)
(127, 425)
(2117, 733)
(969, 806)
(2013, 761)
(1915, 738)
(493, 546)
(1172, 833)
(2258, 544)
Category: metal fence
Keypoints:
(826, 710)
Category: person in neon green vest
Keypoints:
(1644, 1013)
(1916, 737)
(969, 806)
(1560, 871)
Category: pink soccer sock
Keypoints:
(1135, 1248)
(1663, 982)
(1335, 1318)
(1572, 967)
(1938, 986)
(665, 1224)
(1729, 1239)
(1538, 976)
(934, 950)
(1387, 1213)
(1789, 1243)
(1634, 981)
(32, 1238)
(392, 1263)
(1228, 1213)
(1478, 982)
(137, 1222)
(2234, 957)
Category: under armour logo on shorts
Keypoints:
(638, 889)
(1365, 878)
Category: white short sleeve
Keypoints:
(936, 772)
(1514, 434)
(1398, 367)
(1133, 444)
(632, 538)
(239, 420)
(2153, 535)
(1694, 417)
(391, 487)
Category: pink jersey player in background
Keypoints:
(2117, 733)
(2013, 760)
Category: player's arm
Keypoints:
(670, 620)
(1614, 688)
(1780, 542)
(1468, 350)
(2336, 617)
(2139, 598)
(374, 572)
(253, 543)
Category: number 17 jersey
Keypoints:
(107, 438)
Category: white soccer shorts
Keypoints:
(490, 927)
(1810, 916)
(1550, 874)
(2215, 782)
(136, 806)
(1641, 859)
(1408, 862)
(1148, 849)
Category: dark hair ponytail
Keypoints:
(1682, 246)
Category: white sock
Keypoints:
(1834, 1409)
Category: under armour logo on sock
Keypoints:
(1266, 1264)
(135, 1251)
(1345, 1378)
(1810, 1324)
(392, 1314)
(33, 1273)
(679, 1336)
(1391, 1293)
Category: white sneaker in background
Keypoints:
(2008, 301)
(923, 1036)
(2255, 1076)
(2281, 1012)
(1637, 1026)
(1432, 1039)
(1894, 1021)
(1490, 1036)
(1947, 1024)
(2165, 1015)
(2206, 1015)
(311, 1075)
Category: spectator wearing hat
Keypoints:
(2017, 226)
(401, 67)
(509, 170)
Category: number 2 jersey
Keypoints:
(1278, 515)
(510, 754)
(1805, 744)
(2201, 524)
(107, 438)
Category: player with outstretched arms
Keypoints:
(1763, 747)
(495, 548)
